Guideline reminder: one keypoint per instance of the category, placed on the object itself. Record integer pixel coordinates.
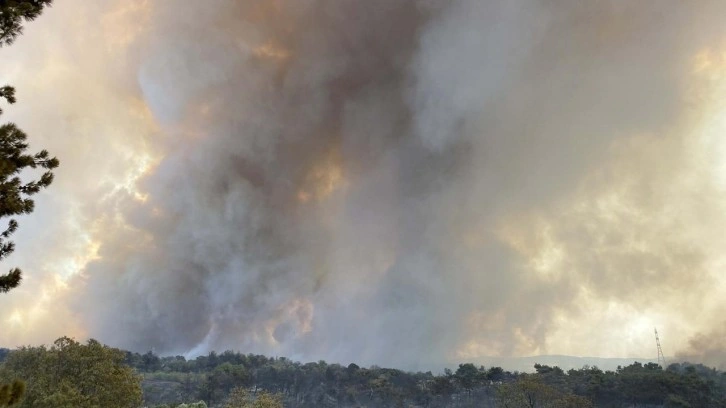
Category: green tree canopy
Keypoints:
(529, 391)
(11, 394)
(240, 398)
(73, 375)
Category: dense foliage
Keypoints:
(240, 398)
(169, 380)
(73, 375)
(11, 393)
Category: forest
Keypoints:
(72, 374)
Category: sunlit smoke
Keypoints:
(389, 181)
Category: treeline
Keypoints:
(70, 374)
(172, 380)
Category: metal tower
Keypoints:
(661, 357)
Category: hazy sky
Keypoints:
(380, 181)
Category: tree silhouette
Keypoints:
(12, 15)
(15, 194)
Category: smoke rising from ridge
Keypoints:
(396, 181)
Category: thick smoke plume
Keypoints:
(393, 181)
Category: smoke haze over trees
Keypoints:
(386, 181)
(408, 182)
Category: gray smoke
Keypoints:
(406, 181)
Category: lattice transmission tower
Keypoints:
(661, 357)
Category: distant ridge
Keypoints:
(526, 364)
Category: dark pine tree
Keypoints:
(12, 15)
(15, 194)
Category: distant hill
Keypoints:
(523, 364)
(526, 364)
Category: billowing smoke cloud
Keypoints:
(395, 181)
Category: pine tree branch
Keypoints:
(11, 280)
